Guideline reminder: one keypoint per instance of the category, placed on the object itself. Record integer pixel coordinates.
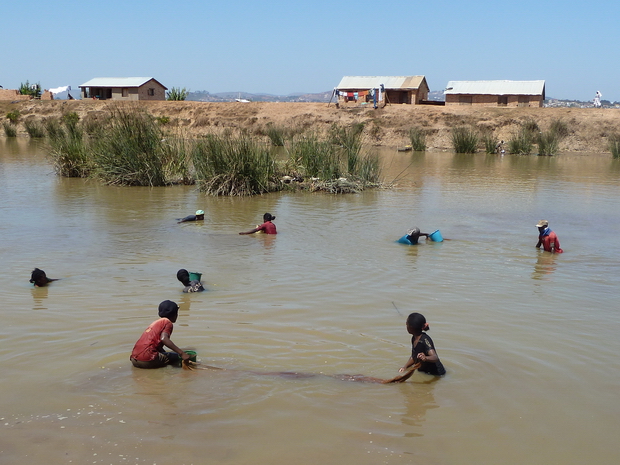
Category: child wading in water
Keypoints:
(149, 350)
(422, 347)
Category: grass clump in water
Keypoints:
(234, 166)
(68, 149)
(130, 151)
(549, 141)
(350, 140)
(614, 145)
(9, 129)
(417, 136)
(464, 139)
(521, 142)
(34, 129)
(490, 141)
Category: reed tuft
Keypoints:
(417, 136)
(230, 166)
(614, 145)
(34, 129)
(9, 129)
(464, 139)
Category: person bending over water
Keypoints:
(547, 238)
(267, 227)
(200, 215)
(190, 286)
(39, 278)
(149, 352)
(412, 236)
(422, 347)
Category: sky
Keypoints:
(282, 47)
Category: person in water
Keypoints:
(547, 238)
(267, 227)
(39, 278)
(422, 347)
(149, 352)
(190, 286)
(199, 216)
(412, 236)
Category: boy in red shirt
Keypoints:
(149, 350)
(547, 238)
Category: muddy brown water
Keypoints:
(529, 339)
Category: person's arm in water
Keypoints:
(187, 218)
(407, 365)
(255, 230)
(165, 338)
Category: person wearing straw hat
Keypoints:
(200, 215)
(547, 238)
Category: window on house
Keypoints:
(125, 92)
(502, 100)
(465, 99)
(151, 92)
(524, 100)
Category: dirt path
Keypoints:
(588, 128)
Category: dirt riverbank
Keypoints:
(588, 128)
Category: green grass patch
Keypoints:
(9, 129)
(464, 139)
(614, 145)
(417, 136)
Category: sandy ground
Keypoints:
(589, 128)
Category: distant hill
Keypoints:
(436, 95)
(204, 96)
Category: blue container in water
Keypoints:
(195, 276)
(436, 236)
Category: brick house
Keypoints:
(129, 88)
(496, 93)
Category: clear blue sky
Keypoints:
(282, 47)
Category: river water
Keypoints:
(529, 339)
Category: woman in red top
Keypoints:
(267, 227)
(149, 350)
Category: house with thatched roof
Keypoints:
(380, 90)
(127, 88)
(496, 93)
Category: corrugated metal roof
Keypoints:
(117, 82)
(496, 87)
(372, 82)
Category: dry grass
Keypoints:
(394, 120)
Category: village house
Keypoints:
(128, 88)
(380, 90)
(496, 93)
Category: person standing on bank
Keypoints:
(267, 227)
(547, 238)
